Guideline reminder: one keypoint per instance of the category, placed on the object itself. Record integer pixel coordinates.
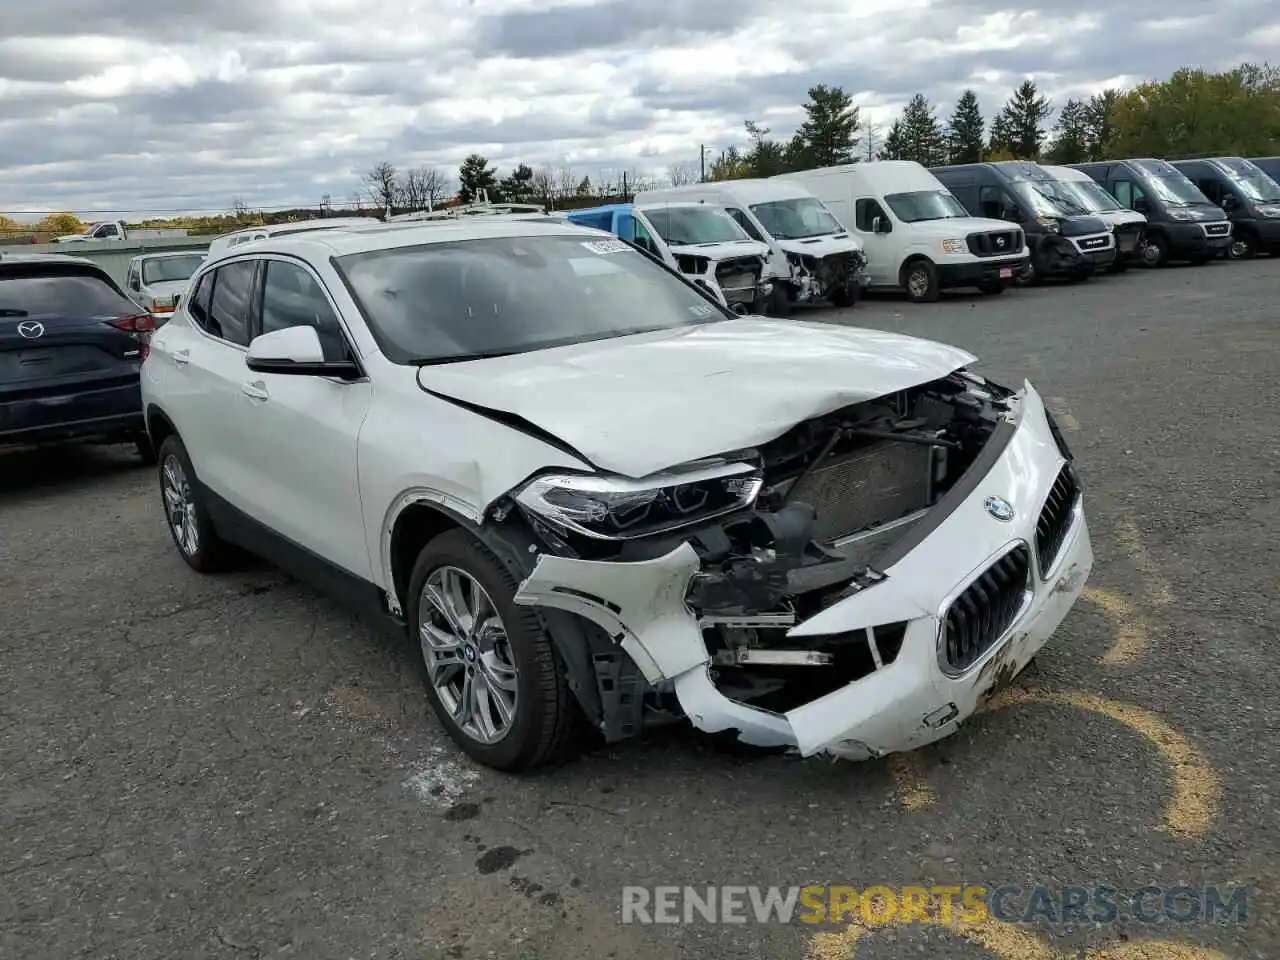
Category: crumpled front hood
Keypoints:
(720, 251)
(822, 246)
(636, 405)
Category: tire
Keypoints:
(778, 303)
(1244, 246)
(544, 716)
(992, 288)
(920, 280)
(207, 552)
(1155, 251)
(1030, 276)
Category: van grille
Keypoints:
(997, 243)
(738, 277)
(1216, 229)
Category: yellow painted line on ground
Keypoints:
(1009, 942)
(1132, 636)
(1132, 543)
(1197, 792)
(908, 775)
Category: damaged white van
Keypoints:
(589, 494)
(812, 257)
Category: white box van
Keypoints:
(917, 236)
(812, 256)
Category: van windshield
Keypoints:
(1058, 194)
(1258, 187)
(1175, 190)
(797, 218)
(920, 205)
(694, 226)
(1092, 196)
(1041, 204)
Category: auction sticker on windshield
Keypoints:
(606, 246)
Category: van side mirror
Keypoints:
(1230, 203)
(881, 225)
(1142, 204)
(1010, 212)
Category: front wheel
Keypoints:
(1155, 252)
(189, 524)
(1243, 247)
(920, 278)
(488, 667)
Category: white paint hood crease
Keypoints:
(639, 404)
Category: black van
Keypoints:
(1064, 241)
(1182, 223)
(1268, 165)
(1250, 197)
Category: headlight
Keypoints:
(953, 246)
(1183, 215)
(1050, 224)
(618, 508)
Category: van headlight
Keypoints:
(607, 507)
(953, 246)
(1183, 215)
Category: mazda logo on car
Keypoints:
(31, 329)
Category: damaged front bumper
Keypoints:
(983, 589)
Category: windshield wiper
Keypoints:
(461, 357)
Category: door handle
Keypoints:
(256, 390)
(181, 357)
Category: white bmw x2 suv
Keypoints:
(591, 494)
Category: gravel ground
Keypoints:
(231, 767)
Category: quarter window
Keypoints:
(229, 308)
(292, 297)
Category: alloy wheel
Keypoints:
(468, 654)
(918, 282)
(179, 505)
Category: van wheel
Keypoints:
(992, 288)
(489, 669)
(1155, 252)
(920, 279)
(1243, 247)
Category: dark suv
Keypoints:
(71, 345)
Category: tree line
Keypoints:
(1194, 112)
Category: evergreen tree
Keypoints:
(475, 175)
(829, 134)
(518, 187)
(767, 158)
(1072, 133)
(966, 130)
(1022, 122)
(893, 147)
(921, 135)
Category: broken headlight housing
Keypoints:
(618, 508)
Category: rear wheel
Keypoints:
(189, 525)
(920, 279)
(488, 667)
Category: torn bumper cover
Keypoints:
(974, 599)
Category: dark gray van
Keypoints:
(1269, 165)
(1182, 223)
(1064, 240)
(1250, 197)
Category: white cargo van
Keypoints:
(917, 236)
(812, 256)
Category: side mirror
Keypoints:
(1010, 213)
(880, 225)
(1142, 205)
(295, 351)
(1230, 203)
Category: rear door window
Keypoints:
(37, 291)
(228, 316)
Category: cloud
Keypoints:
(105, 106)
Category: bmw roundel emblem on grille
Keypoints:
(999, 508)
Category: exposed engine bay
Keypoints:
(827, 277)
(835, 497)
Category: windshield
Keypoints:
(1041, 202)
(161, 269)
(1059, 194)
(468, 299)
(925, 205)
(693, 226)
(1091, 196)
(1258, 187)
(796, 219)
(1175, 190)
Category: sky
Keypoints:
(113, 107)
